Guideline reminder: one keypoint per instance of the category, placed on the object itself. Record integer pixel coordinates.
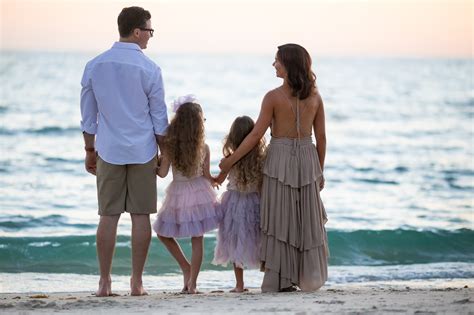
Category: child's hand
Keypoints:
(220, 178)
(214, 183)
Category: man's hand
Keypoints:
(158, 163)
(91, 162)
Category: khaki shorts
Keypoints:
(130, 188)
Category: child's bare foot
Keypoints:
(105, 288)
(136, 288)
(192, 289)
(239, 290)
(186, 277)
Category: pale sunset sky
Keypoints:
(403, 28)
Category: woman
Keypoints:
(294, 243)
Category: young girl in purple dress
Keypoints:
(189, 208)
(238, 239)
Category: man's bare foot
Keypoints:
(136, 288)
(239, 290)
(105, 288)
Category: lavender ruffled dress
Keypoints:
(238, 238)
(189, 209)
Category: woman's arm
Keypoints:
(163, 165)
(263, 122)
(319, 127)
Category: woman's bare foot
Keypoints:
(293, 288)
(105, 287)
(136, 288)
(239, 290)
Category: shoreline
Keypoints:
(450, 296)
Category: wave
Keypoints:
(77, 254)
(19, 222)
(219, 280)
(376, 181)
(48, 131)
(399, 247)
(397, 169)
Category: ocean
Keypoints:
(399, 168)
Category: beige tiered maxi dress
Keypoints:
(294, 242)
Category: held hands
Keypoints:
(162, 166)
(225, 166)
(218, 180)
(91, 162)
(214, 183)
(221, 177)
(158, 164)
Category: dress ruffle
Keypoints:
(283, 157)
(294, 248)
(238, 238)
(189, 209)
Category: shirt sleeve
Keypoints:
(156, 99)
(89, 108)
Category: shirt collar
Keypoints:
(123, 45)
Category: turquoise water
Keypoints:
(399, 166)
(77, 254)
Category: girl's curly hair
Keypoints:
(248, 170)
(184, 141)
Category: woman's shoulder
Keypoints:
(315, 97)
(273, 94)
(316, 93)
(272, 97)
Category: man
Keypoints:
(123, 119)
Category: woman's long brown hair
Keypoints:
(297, 63)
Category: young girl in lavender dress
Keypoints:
(238, 239)
(189, 208)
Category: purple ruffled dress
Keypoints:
(189, 209)
(238, 238)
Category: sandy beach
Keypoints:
(446, 297)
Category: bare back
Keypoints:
(284, 114)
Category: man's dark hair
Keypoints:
(132, 18)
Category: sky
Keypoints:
(402, 28)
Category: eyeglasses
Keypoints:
(147, 29)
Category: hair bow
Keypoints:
(190, 98)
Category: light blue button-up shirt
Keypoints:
(122, 103)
